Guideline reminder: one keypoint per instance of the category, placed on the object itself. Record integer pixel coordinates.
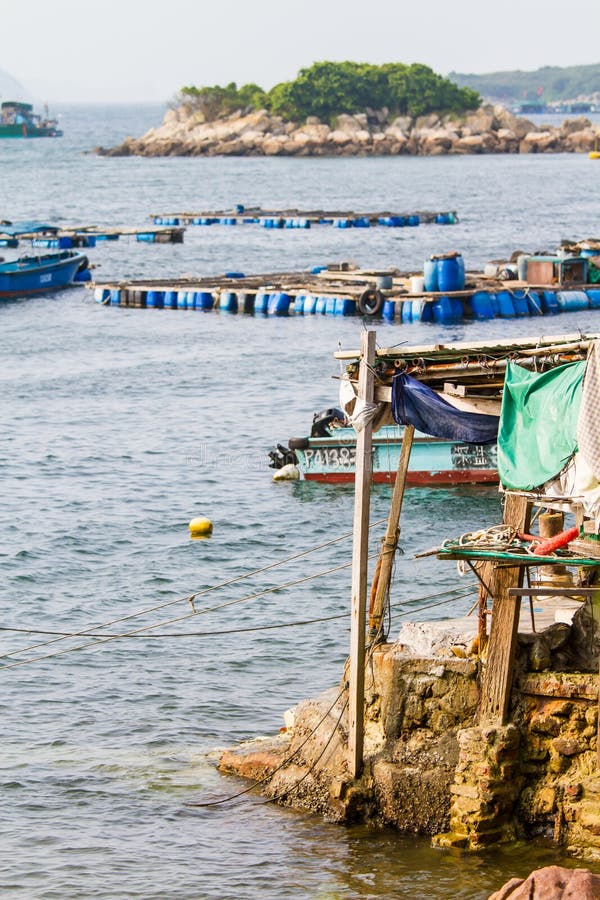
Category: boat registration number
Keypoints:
(45, 279)
(334, 457)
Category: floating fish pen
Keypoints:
(444, 294)
(65, 238)
(298, 218)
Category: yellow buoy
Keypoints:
(200, 527)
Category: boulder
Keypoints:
(552, 883)
(540, 141)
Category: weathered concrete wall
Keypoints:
(431, 769)
(490, 129)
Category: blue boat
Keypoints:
(32, 275)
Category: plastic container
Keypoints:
(482, 306)
(522, 261)
(430, 275)
(417, 284)
(549, 303)
(320, 305)
(279, 304)
(594, 298)
(155, 299)
(534, 303)
(446, 310)
(572, 301)
(506, 305)
(450, 273)
(406, 312)
(330, 306)
(204, 300)
(310, 305)
(246, 302)
(170, 300)
(389, 309)
(344, 306)
(421, 311)
(228, 302)
(182, 299)
(261, 303)
(520, 303)
(413, 221)
(299, 304)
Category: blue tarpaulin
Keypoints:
(14, 229)
(413, 403)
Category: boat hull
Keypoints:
(432, 461)
(25, 130)
(39, 275)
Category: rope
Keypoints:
(191, 597)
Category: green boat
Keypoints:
(18, 120)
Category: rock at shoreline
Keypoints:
(552, 883)
(490, 129)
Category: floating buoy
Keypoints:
(290, 472)
(200, 527)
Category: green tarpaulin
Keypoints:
(538, 423)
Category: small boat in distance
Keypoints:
(31, 275)
(18, 120)
(329, 456)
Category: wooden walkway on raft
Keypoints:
(343, 290)
(88, 235)
(306, 218)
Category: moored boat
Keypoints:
(41, 274)
(433, 461)
(18, 120)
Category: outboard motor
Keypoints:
(281, 457)
(321, 421)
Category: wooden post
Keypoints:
(381, 583)
(360, 553)
(497, 681)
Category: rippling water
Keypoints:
(119, 426)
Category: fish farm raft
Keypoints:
(444, 292)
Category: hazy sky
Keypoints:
(145, 50)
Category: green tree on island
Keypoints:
(327, 89)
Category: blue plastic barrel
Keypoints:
(406, 313)
(482, 306)
(320, 305)
(362, 222)
(234, 275)
(520, 302)
(204, 300)
(534, 303)
(344, 306)
(145, 236)
(572, 301)
(154, 299)
(506, 305)
(413, 221)
(330, 306)
(88, 240)
(101, 295)
(228, 302)
(430, 275)
(182, 299)
(316, 269)
(310, 304)
(299, 304)
(170, 300)
(389, 309)
(65, 242)
(279, 304)
(450, 273)
(342, 223)
(115, 297)
(446, 310)
(594, 298)
(421, 310)
(261, 303)
(549, 303)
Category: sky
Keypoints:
(145, 50)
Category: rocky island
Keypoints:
(490, 129)
(349, 109)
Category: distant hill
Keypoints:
(11, 89)
(546, 85)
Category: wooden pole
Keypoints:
(497, 681)
(381, 582)
(360, 553)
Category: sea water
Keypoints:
(119, 426)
